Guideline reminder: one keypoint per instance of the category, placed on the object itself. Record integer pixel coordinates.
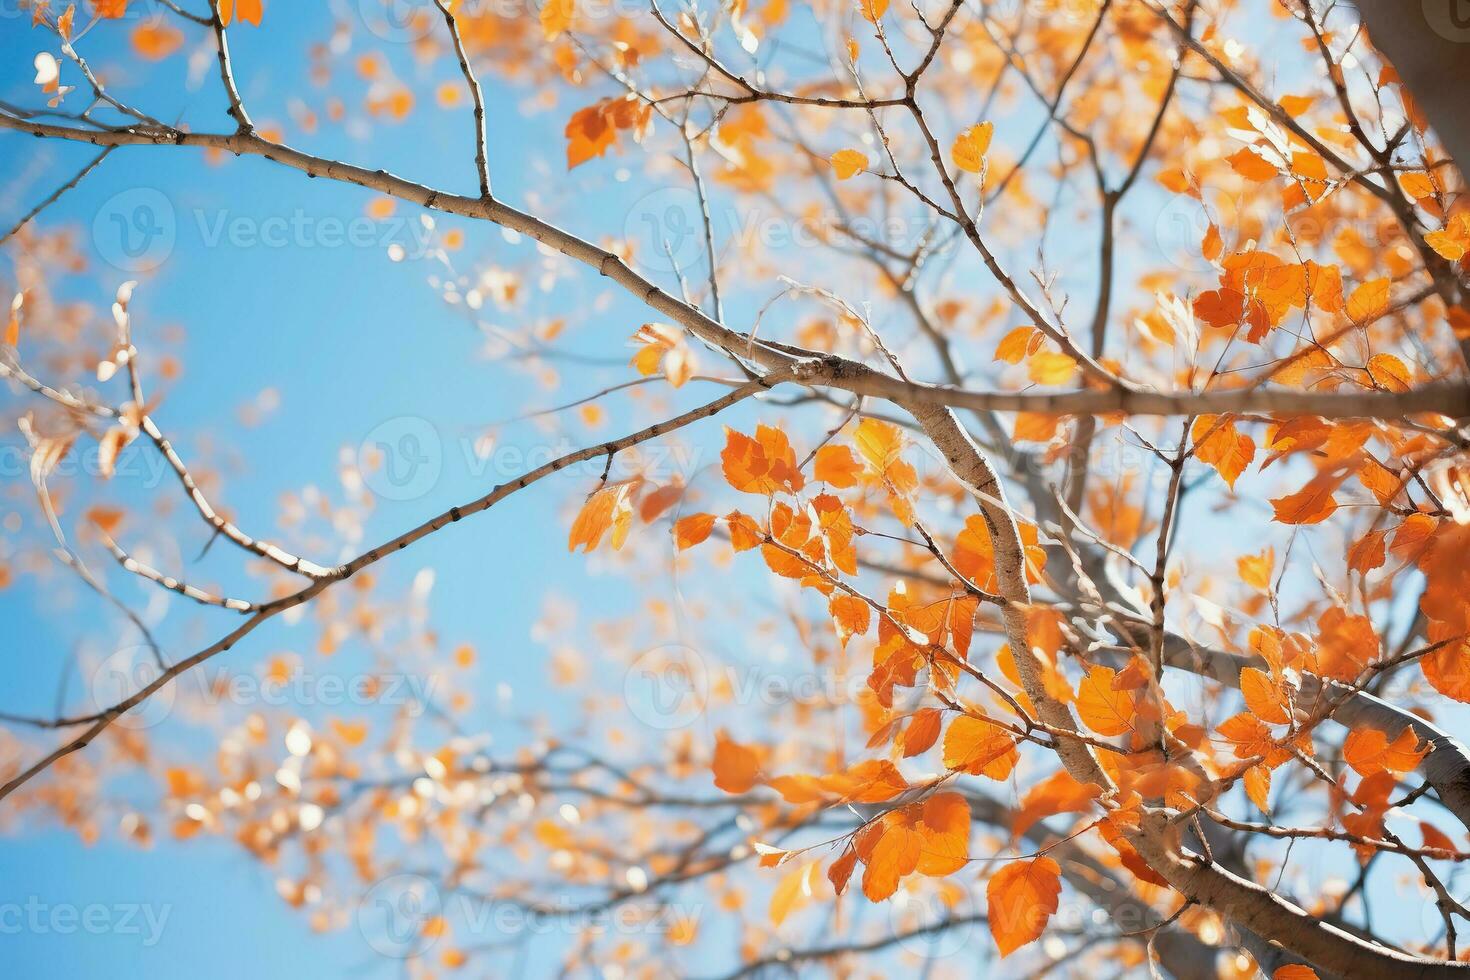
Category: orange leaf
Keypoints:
(1250, 165)
(944, 828)
(690, 531)
(155, 40)
(1017, 345)
(1263, 696)
(1388, 372)
(851, 615)
(1257, 781)
(735, 766)
(105, 518)
(894, 854)
(922, 732)
(1294, 971)
(1369, 751)
(1104, 709)
(978, 746)
(608, 508)
(765, 464)
(1369, 301)
(1035, 427)
(1020, 898)
(1368, 553)
(836, 465)
(248, 10)
(841, 870)
(793, 891)
(1312, 504)
(1218, 444)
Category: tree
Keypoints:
(1141, 602)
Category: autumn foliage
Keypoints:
(1091, 395)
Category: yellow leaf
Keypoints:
(1255, 570)
(793, 891)
(872, 9)
(556, 17)
(1454, 240)
(1257, 781)
(1050, 368)
(1369, 301)
(848, 163)
(1388, 372)
(968, 151)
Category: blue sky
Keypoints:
(351, 341)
